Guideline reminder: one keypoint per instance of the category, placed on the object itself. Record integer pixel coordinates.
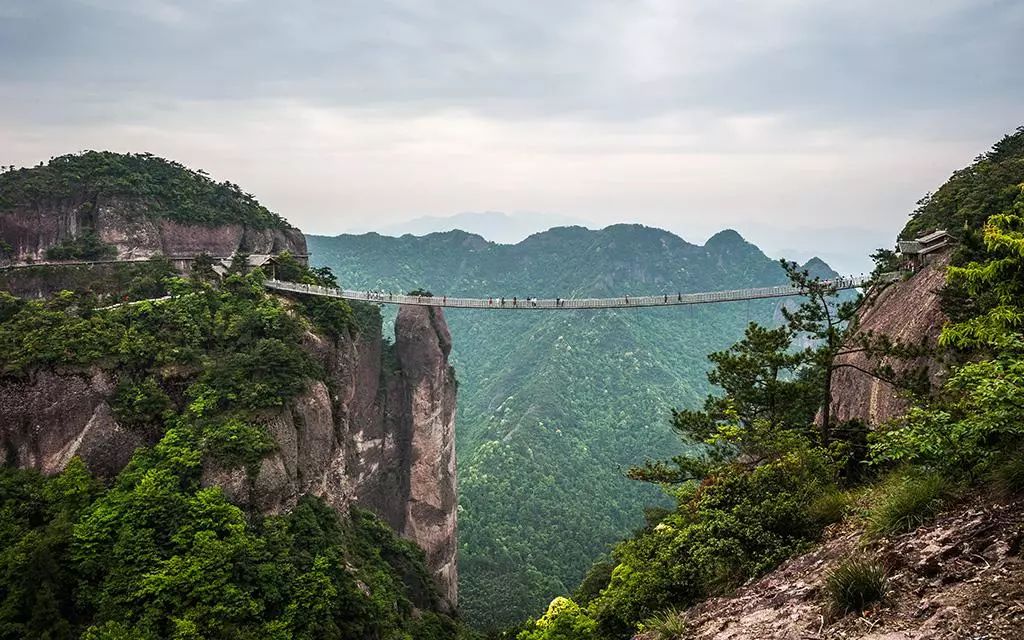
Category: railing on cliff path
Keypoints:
(561, 304)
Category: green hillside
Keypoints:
(169, 189)
(554, 407)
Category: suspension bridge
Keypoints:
(525, 304)
(513, 303)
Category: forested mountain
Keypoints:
(554, 407)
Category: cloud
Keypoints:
(688, 115)
(593, 58)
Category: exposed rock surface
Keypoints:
(378, 432)
(52, 417)
(423, 343)
(960, 577)
(909, 312)
(128, 225)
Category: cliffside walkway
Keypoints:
(560, 304)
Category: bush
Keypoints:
(87, 246)
(564, 620)
(236, 443)
(140, 403)
(855, 584)
(906, 502)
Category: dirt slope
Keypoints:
(960, 577)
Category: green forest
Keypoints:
(151, 553)
(163, 188)
(554, 408)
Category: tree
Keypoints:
(825, 321)
(202, 268)
(830, 326)
(768, 390)
(996, 286)
(239, 263)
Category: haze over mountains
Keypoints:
(554, 407)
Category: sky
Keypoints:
(803, 124)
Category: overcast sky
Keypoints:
(791, 117)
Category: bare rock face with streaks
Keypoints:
(423, 343)
(909, 312)
(128, 225)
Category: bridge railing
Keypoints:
(662, 300)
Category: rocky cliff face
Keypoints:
(909, 312)
(136, 233)
(378, 432)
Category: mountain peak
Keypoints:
(726, 238)
(818, 267)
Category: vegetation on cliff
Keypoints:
(168, 189)
(155, 554)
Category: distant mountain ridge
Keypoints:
(640, 255)
(494, 225)
(553, 407)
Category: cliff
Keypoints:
(909, 312)
(126, 224)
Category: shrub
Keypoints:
(87, 246)
(564, 620)
(597, 578)
(738, 524)
(139, 403)
(235, 443)
(854, 584)
(906, 502)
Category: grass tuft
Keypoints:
(830, 507)
(855, 584)
(1009, 474)
(667, 625)
(906, 502)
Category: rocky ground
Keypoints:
(959, 577)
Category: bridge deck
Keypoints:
(559, 304)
